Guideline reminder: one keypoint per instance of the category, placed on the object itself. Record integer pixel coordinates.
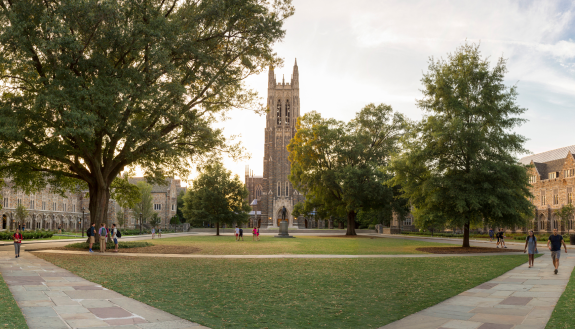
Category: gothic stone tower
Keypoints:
(284, 109)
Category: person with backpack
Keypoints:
(531, 247)
(114, 235)
(500, 236)
(91, 235)
(490, 235)
(241, 235)
(17, 242)
(103, 232)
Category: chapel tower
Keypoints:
(284, 110)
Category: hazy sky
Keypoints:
(352, 53)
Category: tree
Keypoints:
(180, 206)
(341, 166)
(144, 208)
(121, 217)
(155, 220)
(20, 213)
(458, 166)
(565, 213)
(90, 88)
(217, 196)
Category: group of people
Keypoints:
(159, 232)
(554, 243)
(104, 233)
(240, 234)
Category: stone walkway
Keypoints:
(53, 298)
(522, 298)
(112, 254)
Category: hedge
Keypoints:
(27, 235)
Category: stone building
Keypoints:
(271, 192)
(165, 201)
(552, 179)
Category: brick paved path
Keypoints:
(53, 298)
(522, 298)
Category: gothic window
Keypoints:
(279, 112)
(543, 199)
(287, 116)
(287, 189)
(556, 197)
(279, 189)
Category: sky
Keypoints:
(352, 53)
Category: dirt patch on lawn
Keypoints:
(144, 250)
(461, 250)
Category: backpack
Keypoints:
(118, 234)
(241, 231)
(88, 231)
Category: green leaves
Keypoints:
(458, 164)
(340, 167)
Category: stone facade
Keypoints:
(272, 191)
(165, 201)
(552, 179)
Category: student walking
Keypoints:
(153, 232)
(554, 243)
(92, 235)
(500, 239)
(241, 234)
(490, 235)
(17, 242)
(103, 235)
(115, 237)
(159, 232)
(254, 234)
(237, 233)
(530, 247)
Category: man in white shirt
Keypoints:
(237, 233)
(114, 237)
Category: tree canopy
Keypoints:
(89, 88)
(216, 196)
(145, 206)
(341, 168)
(458, 164)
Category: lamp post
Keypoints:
(82, 221)
(140, 223)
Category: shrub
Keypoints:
(131, 244)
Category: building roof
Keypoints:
(556, 154)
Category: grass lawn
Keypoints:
(563, 315)
(290, 293)
(268, 245)
(10, 316)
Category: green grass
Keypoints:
(226, 245)
(10, 316)
(290, 293)
(563, 315)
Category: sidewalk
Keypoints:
(522, 298)
(53, 298)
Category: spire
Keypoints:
(295, 75)
(271, 77)
(283, 79)
(295, 62)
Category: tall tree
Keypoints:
(216, 196)
(89, 88)
(342, 166)
(155, 220)
(143, 210)
(20, 213)
(458, 165)
(180, 206)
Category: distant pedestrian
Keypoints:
(241, 234)
(153, 232)
(258, 233)
(17, 242)
(490, 235)
(115, 237)
(92, 235)
(237, 233)
(254, 234)
(500, 239)
(59, 229)
(531, 247)
(159, 232)
(103, 232)
(554, 243)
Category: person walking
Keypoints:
(237, 233)
(530, 247)
(153, 232)
(114, 236)
(241, 234)
(17, 242)
(92, 235)
(554, 244)
(490, 235)
(255, 233)
(59, 229)
(103, 232)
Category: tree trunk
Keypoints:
(466, 235)
(218, 228)
(99, 198)
(350, 223)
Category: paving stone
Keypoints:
(516, 301)
(88, 288)
(70, 309)
(46, 323)
(93, 294)
(495, 326)
(38, 312)
(459, 324)
(96, 303)
(502, 311)
(183, 324)
(122, 322)
(486, 285)
(64, 300)
(34, 303)
(147, 312)
(86, 323)
(536, 294)
(52, 294)
(497, 318)
(110, 312)
(36, 288)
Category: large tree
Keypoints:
(458, 164)
(89, 88)
(341, 167)
(216, 196)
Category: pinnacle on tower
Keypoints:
(271, 77)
